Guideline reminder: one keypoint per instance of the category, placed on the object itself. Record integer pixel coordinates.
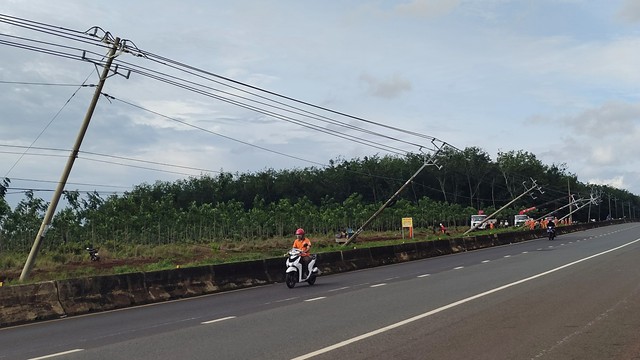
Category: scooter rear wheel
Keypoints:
(291, 278)
(312, 279)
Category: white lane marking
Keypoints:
(507, 256)
(57, 354)
(452, 305)
(458, 268)
(217, 320)
(424, 275)
(279, 301)
(318, 298)
(376, 285)
(525, 252)
(391, 278)
(486, 261)
(287, 299)
(338, 289)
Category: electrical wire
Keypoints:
(47, 126)
(143, 71)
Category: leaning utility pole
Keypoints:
(534, 187)
(393, 197)
(46, 222)
(592, 199)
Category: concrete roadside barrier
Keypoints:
(27, 303)
(240, 275)
(100, 293)
(332, 263)
(384, 255)
(164, 285)
(275, 268)
(406, 252)
(357, 258)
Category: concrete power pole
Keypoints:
(534, 187)
(46, 222)
(571, 207)
(426, 163)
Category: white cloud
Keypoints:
(386, 88)
(630, 11)
(427, 8)
(616, 182)
(611, 119)
(602, 154)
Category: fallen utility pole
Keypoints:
(592, 200)
(391, 199)
(571, 204)
(46, 222)
(502, 208)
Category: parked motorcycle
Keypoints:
(293, 275)
(93, 254)
(551, 231)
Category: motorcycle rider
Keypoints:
(551, 225)
(303, 244)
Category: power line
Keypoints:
(186, 84)
(164, 60)
(44, 84)
(47, 126)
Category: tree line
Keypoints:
(273, 203)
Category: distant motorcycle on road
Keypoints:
(551, 231)
(293, 274)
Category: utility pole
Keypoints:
(534, 187)
(571, 201)
(46, 222)
(591, 200)
(424, 164)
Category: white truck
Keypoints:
(477, 219)
(520, 220)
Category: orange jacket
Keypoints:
(303, 244)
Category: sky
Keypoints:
(558, 79)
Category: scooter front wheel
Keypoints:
(291, 278)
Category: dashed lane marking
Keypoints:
(315, 299)
(217, 320)
(57, 354)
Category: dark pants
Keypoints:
(305, 265)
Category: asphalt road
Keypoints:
(577, 297)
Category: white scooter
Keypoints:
(293, 274)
